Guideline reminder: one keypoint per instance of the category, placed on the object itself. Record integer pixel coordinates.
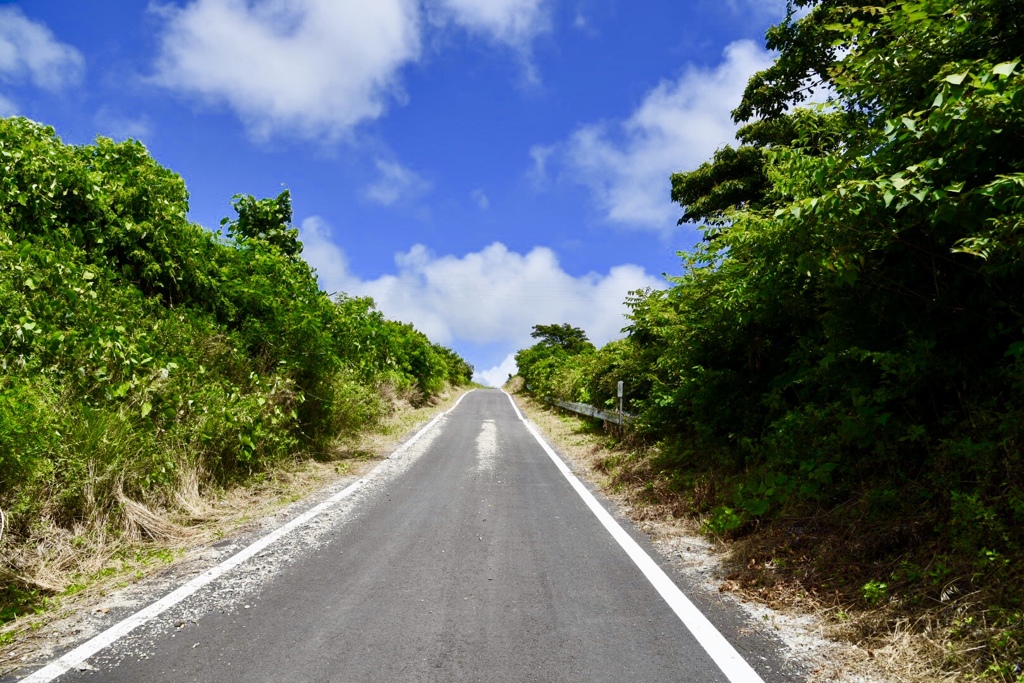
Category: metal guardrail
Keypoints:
(592, 411)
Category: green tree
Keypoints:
(855, 306)
(570, 339)
(137, 347)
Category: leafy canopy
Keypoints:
(566, 337)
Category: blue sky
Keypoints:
(477, 166)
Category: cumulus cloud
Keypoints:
(513, 22)
(320, 251)
(678, 125)
(540, 155)
(315, 68)
(499, 374)
(759, 11)
(763, 9)
(396, 183)
(30, 53)
(490, 297)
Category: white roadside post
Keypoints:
(620, 402)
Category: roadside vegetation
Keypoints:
(835, 381)
(147, 363)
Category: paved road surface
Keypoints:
(477, 563)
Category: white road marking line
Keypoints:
(80, 654)
(486, 446)
(732, 664)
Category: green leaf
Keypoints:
(88, 275)
(910, 123)
(956, 79)
(954, 187)
(1006, 68)
(147, 407)
(1016, 350)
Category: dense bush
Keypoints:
(849, 334)
(855, 306)
(135, 345)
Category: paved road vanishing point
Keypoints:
(475, 557)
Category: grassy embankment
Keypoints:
(834, 382)
(150, 368)
(771, 565)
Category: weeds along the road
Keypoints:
(206, 515)
(838, 367)
(835, 635)
(149, 365)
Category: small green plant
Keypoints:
(875, 592)
(17, 601)
(722, 520)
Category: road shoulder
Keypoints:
(251, 512)
(801, 636)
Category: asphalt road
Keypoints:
(478, 562)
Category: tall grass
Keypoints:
(146, 362)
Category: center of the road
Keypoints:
(486, 446)
(724, 655)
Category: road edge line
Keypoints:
(83, 652)
(725, 656)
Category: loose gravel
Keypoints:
(240, 589)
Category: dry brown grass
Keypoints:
(76, 566)
(786, 567)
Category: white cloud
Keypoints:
(29, 52)
(763, 9)
(678, 125)
(513, 22)
(499, 374)
(493, 296)
(540, 155)
(482, 202)
(315, 68)
(7, 107)
(396, 183)
(319, 251)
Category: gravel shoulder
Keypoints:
(246, 514)
(808, 640)
(381, 599)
